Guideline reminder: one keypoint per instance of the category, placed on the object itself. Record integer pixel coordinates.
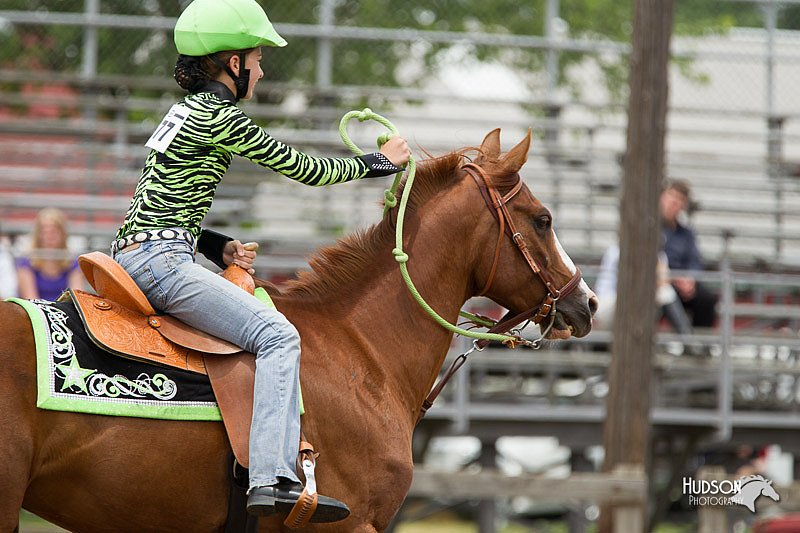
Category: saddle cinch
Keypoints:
(121, 320)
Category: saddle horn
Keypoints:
(239, 276)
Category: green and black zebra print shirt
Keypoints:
(176, 187)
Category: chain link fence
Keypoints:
(98, 74)
(730, 55)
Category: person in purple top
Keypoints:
(49, 268)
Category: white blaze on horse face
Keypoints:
(572, 268)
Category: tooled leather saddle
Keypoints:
(120, 320)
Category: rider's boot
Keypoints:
(281, 498)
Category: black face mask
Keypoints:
(242, 81)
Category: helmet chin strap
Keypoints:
(242, 81)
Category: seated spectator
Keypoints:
(49, 268)
(666, 297)
(8, 273)
(606, 288)
(680, 248)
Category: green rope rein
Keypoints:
(400, 256)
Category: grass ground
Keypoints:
(456, 526)
(30, 523)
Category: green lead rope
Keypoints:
(400, 256)
(368, 114)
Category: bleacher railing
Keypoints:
(744, 378)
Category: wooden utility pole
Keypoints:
(626, 435)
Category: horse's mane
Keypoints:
(755, 477)
(344, 262)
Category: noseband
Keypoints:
(497, 204)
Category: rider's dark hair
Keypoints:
(189, 72)
(192, 72)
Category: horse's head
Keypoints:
(523, 266)
(751, 488)
(768, 490)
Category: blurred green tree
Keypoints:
(150, 52)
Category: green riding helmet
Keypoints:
(210, 26)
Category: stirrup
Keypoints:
(303, 510)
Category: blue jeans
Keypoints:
(174, 283)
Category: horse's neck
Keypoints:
(752, 487)
(379, 324)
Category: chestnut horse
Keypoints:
(370, 356)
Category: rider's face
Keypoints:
(253, 62)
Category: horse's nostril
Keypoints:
(593, 304)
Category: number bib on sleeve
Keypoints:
(168, 128)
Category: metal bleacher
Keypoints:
(746, 218)
(742, 387)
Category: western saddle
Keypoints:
(121, 321)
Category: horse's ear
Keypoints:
(517, 156)
(490, 147)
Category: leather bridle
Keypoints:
(497, 204)
(547, 308)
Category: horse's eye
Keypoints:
(543, 222)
